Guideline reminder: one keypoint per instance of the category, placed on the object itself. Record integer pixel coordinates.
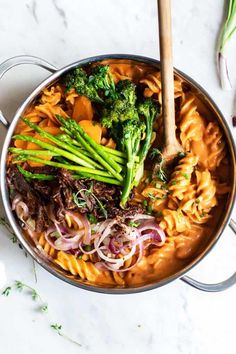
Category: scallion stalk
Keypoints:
(227, 31)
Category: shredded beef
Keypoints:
(41, 219)
(17, 180)
(108, 195)
(47, 170)
(66, 179)
(44, 189)
(57, 196)
(58, 203)
(131, 210)
(30, 197)
(105, 191)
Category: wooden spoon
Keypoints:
(171, 147)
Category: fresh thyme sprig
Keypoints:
(133, 223)
(43, 306)
(81, 201)
(7, 226)
(35, 295)
(13, 238)
(7, 291)
(58, 329)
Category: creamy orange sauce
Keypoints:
(198, 135)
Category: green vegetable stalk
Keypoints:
(90, 145)
(53, 149)
(227, 32)
(38, 176)
(87, 161)
(79, 169)
(148, 109)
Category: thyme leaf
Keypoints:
(58, 329)
(81, 201)
(43, 306)
(7, 291)
(13, 237)
(133, 223)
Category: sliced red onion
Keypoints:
(86, 252)
(155, 232)
(49, 240)
(112, 247)
(141, 217)
(65, 243)
(76, 219)
(82, 223)
(16, 200)
(115, 269)
(22, 212)
(100, 266)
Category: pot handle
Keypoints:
(225, 284)
(19, 60)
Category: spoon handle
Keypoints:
(167, 76)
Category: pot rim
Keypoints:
(32, 250)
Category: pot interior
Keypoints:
(179, 253)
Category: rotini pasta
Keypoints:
(174, 222)
(181, 177)
(153, 83)
(85, 270)
(169, 213)
(44, 246)
(213, 139)
(192, 125)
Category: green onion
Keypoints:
(227, 31)
(39, 176)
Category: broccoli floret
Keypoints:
(148, 109)
(132, 134)
(118, 111)
(123, 107)
(127, 91)
(121, 116)
(102, 79)
(79, 80)
(91, 86)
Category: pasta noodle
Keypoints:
(192, 125)
(181, 177)
(153, 83)
(44, 246)
(174, 222)
(183, 202)
(213, 139)
(85, 270)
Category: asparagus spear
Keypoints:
(79, 169)
(40, 176)
(70, 140)
(44, 177)
(107, 164)
(68, 136)
(53, 149)
(32, 152)
(75, 129)
(60, 143)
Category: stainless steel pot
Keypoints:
(34, 252)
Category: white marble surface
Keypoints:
(175, 319)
